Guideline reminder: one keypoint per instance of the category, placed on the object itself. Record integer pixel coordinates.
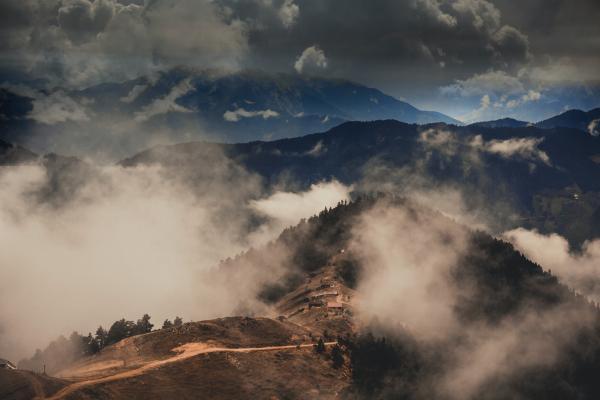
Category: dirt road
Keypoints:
(185, 351)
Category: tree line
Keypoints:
(62, 351)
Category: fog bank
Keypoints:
(91, 246)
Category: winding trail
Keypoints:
(185, 352)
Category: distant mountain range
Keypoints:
(575, 119)
(522, 169)
(183, 104)
(546, 178)
(501, 123)
(113, 120)
(572, 119)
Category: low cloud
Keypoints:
(519, 343)
(134, 93)
(124, 244)
(51, 108)
(318, 150)
(522, 148)
(580, 270)
(167, 103)
(412, 284)
(407, 260)
(57, 107)
(238, 114)
(287, 208)
(449, 143)
(447, 173)
(311, 58)
(87, 245)
(594, 127)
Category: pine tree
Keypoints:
(143, 325)
(119, 330)
(91, 345)
(320, 346)
(336, 357)
(101, 336)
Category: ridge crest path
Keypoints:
(185, 352)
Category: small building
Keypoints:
(5, 364)
(334, 304)
(324, 286)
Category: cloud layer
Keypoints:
(237, 114)
(579, 270)
(417, 278)
(81, 41)
(450, 144)
(410, 49)
(87, 245)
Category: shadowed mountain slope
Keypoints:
(323, 297)
(576, 119)
(501, 123)
(521, 169)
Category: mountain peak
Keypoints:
(577, 119)
(501, 123)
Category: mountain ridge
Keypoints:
(501, 123)
(211, 355)
(577, 119)
(182, 104)
(565, 162)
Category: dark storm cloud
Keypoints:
(79, 42)
(560, 30)
(541, 18)
(81, 19)
(409, 48)
(433, 41)
(361, 38)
